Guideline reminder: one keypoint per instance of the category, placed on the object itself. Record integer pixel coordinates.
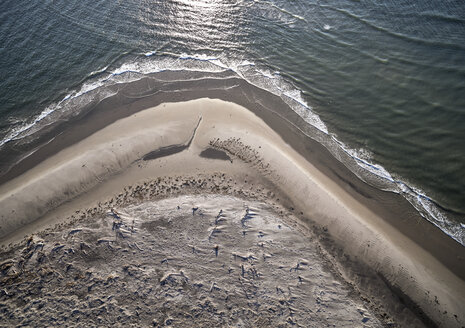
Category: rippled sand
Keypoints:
(200, 214)
(187, 261)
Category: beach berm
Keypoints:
(214, 207)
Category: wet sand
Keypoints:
(213, 147)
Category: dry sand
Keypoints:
(204, 261)
(207, 147)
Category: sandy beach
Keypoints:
(208, 213)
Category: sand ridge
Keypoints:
(65, 182)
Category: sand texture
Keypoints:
(198, 261)
(308, 252)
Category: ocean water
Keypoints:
(384, 81)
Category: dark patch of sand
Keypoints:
(215, 154)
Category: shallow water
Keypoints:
(384, 78)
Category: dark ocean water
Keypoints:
(384, 79)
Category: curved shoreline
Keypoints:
(156, 87)
(307, 140)
(370, 226)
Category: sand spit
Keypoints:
(390, 275)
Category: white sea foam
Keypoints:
(18, 131)
(99, 71)
(422, 203)
(261, 77)
(364, 159)
(247, 63)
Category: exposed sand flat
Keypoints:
(211, 137)
(186, 261)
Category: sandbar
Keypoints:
(214, 148)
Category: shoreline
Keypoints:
(137, 96)
(371, 226)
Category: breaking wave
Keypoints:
(100, 85)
